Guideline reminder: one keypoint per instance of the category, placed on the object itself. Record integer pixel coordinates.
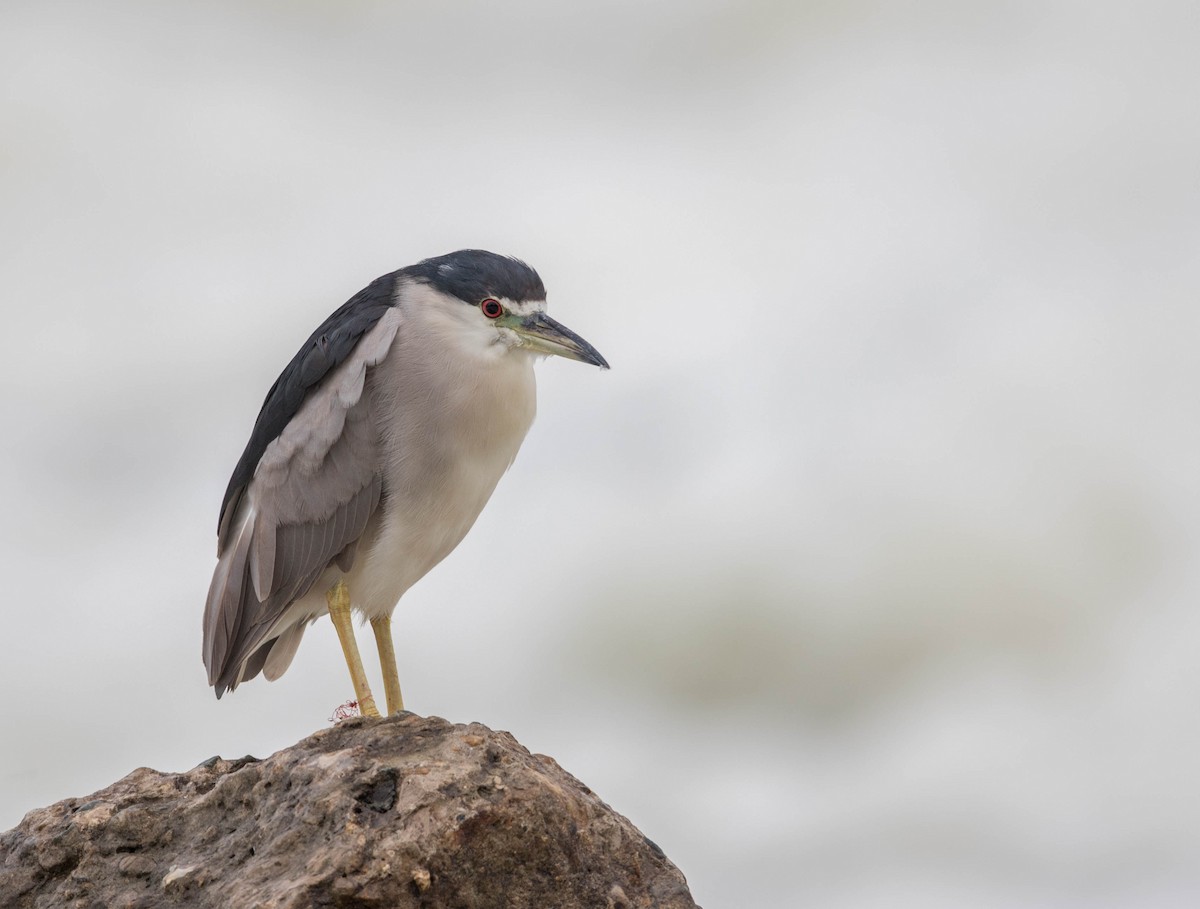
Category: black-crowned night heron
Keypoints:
(372, 456)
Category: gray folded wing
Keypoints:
(311, 497)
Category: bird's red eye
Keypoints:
(492, 308)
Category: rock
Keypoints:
(403, 811)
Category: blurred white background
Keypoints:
(865, 578)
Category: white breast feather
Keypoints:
(463, 404)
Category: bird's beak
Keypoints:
(541, 333)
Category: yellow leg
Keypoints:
(387, 661)
(338, 599)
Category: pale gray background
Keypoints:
(865, 578)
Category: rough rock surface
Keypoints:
(403, 811)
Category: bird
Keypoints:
(371, 457)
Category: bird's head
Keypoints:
(507, 303)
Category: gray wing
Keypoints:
(313, 491)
